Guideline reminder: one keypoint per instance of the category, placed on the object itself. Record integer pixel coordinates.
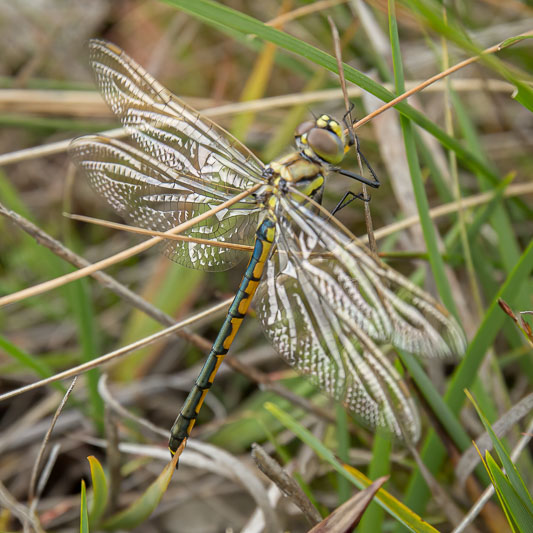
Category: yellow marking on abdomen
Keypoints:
(215, 370)
(235, 323)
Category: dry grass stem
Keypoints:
(433, 79)
(121, 256)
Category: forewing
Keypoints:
(153, 196)
(384, 304)
(331, 310)
(167, 128)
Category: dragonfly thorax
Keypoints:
(294, 174)
(321, 145)
(321, 140)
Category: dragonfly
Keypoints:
(329, 306)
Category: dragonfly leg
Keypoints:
(353, 139)
(348, 198)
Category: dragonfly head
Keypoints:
(321, 139)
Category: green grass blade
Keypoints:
(379, 466)
(100, 492)
(428, 230)
(29, 361)
(139, 511)
(498, 493)
(438, 406)
(523, 95)
(508, 496)
(433, 452)
(82, 309)
(343, 449)
(511, 471)
(513, 40)
(84, 517)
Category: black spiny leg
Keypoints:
(348, 198)
(374, 183)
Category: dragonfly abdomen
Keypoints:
(189, 412)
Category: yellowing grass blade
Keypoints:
(143, 507)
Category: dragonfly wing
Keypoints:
(153, 196)
(384, 304)
(167, 128)
(301, 323)
(331, 310)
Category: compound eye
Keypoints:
(303, 128)
(326, 145)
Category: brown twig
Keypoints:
(433, 79)
(154, 233)
(113, 457)
(37, 463)
(90, 104)
(285, 483)
(338, 55)
(104, 279)
(522, 325)
(121, 256)
(116, 353)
